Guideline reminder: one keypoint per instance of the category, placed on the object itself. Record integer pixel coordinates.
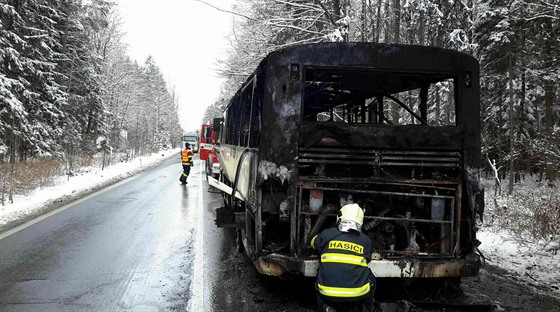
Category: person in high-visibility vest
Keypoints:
(344, 280)
(187, 162)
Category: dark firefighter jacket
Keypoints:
(186, 158)
(343, 272)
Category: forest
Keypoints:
(68, 90)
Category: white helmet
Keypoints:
(350, 217)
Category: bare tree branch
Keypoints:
(226, 11)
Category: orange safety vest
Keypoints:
(186, 158)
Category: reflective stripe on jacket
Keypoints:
(342, 258)
(186, 158)
(344, 292)
(343, 273)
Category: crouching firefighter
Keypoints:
(344, 281)
(187, 162)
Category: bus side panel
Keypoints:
(278, 148)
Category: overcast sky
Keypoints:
(185, 37)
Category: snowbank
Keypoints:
(93, 178)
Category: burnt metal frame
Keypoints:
(380, 158)
(401, 104)
(304, 186)
(424, 88)
(455, 225)
(392, 56)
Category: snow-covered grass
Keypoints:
(531, 213)
(521, 233)
(510, 236)
(66, 187)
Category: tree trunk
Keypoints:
(14, 144)
(421, 29)
(396, 39)
(377, 32)
(497, 182)
(387, 22)
(397, 21)
(511, 128)
(438, 108)
(522, 106)
(549, 114)
(336, 9)
(346, 14)
(449, 106)
(364, 21)
(549, 125)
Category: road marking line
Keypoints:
(197, 295)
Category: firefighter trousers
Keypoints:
(185, 174)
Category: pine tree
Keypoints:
(34, 99)
(82, 67)
(517, 39)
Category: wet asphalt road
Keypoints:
(133, 247)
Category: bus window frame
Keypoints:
(451, 77)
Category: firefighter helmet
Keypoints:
(350, 217)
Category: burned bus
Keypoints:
(394, 128)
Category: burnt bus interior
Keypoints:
(411, 192)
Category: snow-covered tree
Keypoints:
(518, 48)
(31, 105)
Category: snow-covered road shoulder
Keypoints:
(65, 190)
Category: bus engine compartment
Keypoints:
(404, 215)
(393, 143)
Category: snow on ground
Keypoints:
(89, 179)
(531, 263)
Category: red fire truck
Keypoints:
(208, 139)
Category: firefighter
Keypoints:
(187, 162)
(344, 281)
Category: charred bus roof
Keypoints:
(362, 56)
